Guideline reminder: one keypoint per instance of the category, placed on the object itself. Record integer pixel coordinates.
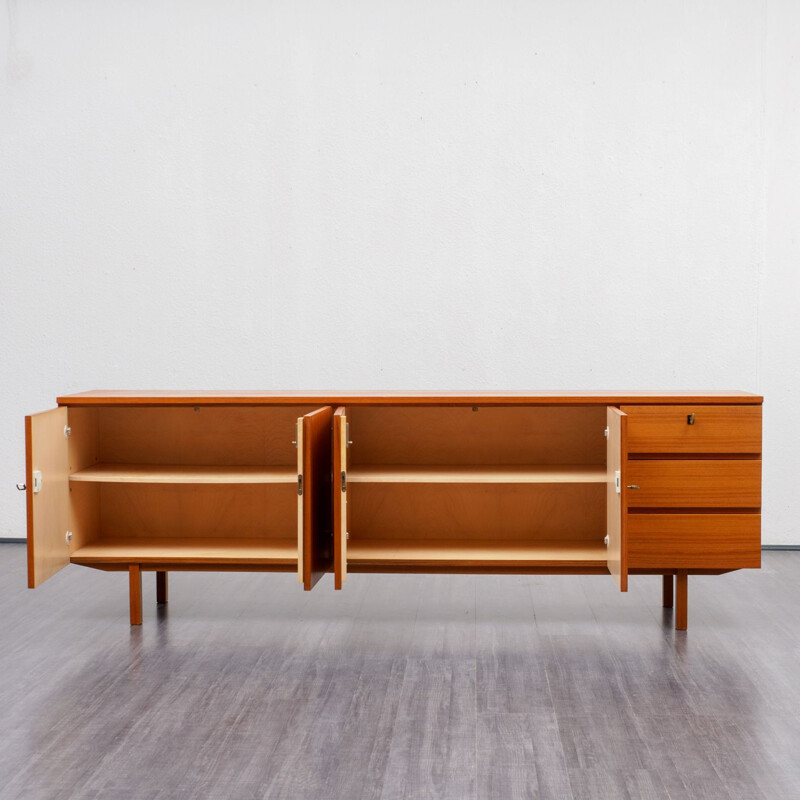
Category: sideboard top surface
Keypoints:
(401, 397)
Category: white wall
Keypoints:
(382, 194)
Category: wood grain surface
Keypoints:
(616, 508)
(48, 511)
(689, 483)
(494, 552)
(697, 541)
(187, 551)
(714, 429)
(317, 524)
(172, 473)
(339, 491)
(422, 397)
(466, 512)
(491, 473)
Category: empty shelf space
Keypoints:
(476, 553)
(169, 473)
(123, 550)
(502, 473)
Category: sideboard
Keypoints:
(614, 483)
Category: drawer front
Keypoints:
(694, 483)
(694, 541)
(716, 429)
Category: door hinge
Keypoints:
(37, 481)
(67, 431)
(605, 541)
(344, 481)
(606, 432)
(294, 441)
(618, 481)
(347, 434)
(300, 485)
(68, 537)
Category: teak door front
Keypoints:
(340, 496)
(315, 546)
(47, 454)
(616, 457)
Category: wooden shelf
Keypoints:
(124, 550)
(504, 473)
(161, 473)
(477, 553)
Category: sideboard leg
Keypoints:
(135, 575)
(667, 593)
(162, 589)
(682, 600)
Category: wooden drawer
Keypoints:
(694, 483)
(694, 541)
(716, 429)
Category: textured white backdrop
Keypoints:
(380, 194)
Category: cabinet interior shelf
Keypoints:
(502, 473)
(188, 550)
(475, 553)
(170, 473)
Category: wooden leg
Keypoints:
(162, 591)
(682, 600)
(667, 593)
(135, 575)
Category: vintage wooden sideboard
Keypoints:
(614, 483)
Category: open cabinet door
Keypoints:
(616, 455)
(47, 454)
(315, 534)
(340, 496)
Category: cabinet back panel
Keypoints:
(211, 435)
(572, 512)
(490, 435)
(84, 514)
(199, 511)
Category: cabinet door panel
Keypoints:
(709, 483)
(616, 455)
(713, 429)
(339, 489)
(316, 556)
(48, 509)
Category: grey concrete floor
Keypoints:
(401, 686)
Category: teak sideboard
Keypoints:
(627, 483)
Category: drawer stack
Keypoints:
(694, 487)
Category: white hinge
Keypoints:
(618, 481)
(606, 432)
(67, 431)
(605, 541)
(347, 434)
(344, 481)
(37, 481)
(347, 536)
(68, 536)
(300, 485)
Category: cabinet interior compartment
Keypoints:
(491, 486)
(487, 435)
(211, 483)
